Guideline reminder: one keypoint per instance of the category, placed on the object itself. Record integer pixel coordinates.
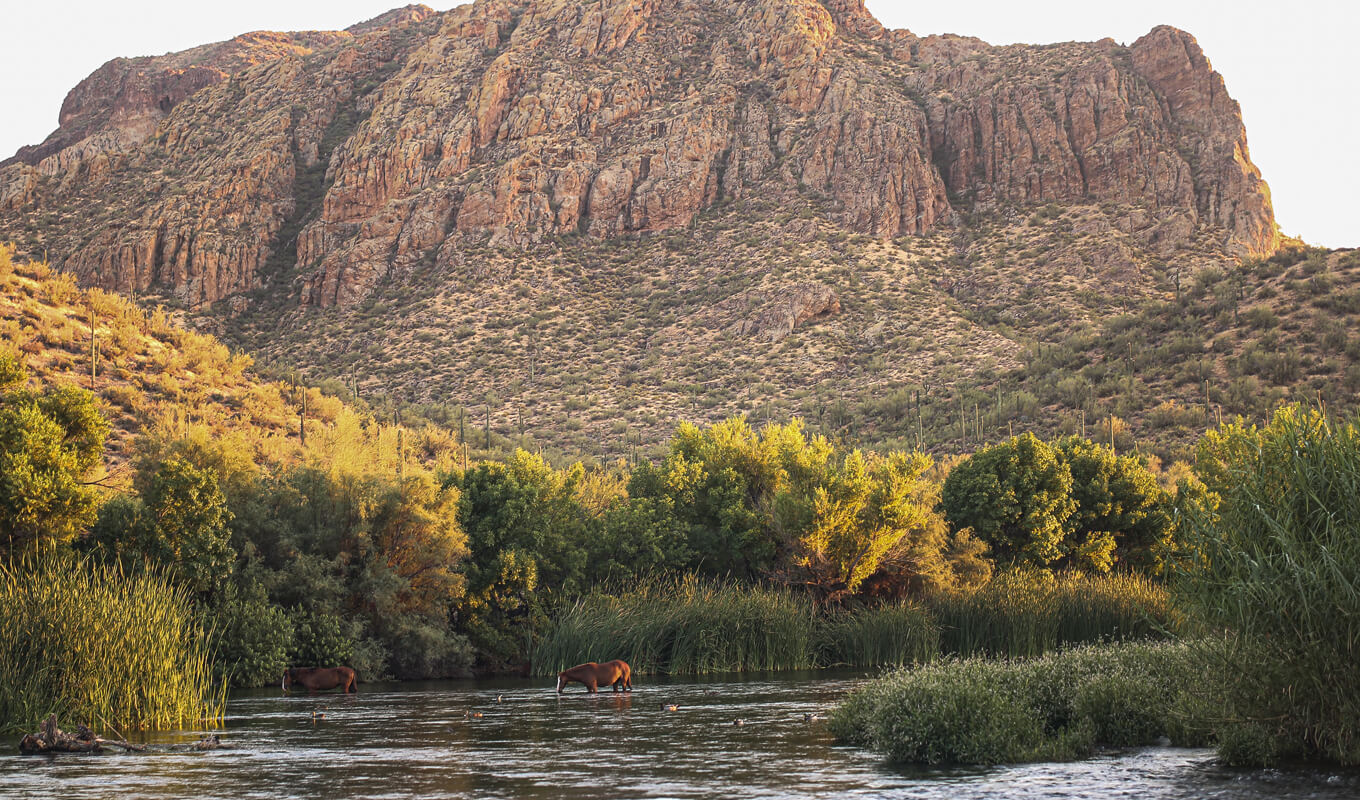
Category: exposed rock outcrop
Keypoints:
(313, 165)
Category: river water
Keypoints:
(422, 740)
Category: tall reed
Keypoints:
(684, 625)
(1276, 564)
(695, 626)
(1027, 613)
(96, 646)
(889, 636)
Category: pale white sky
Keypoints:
(1287, 63)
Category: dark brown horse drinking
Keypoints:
(318, 678)
(614, 673)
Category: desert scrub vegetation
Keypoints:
(1060, 706)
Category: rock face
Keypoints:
(313, 165)
(773, 317)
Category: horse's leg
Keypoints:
(593, 686)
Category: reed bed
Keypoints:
(1277, 565)
(688, 625)
(889, 636)
(1026, 613)
(96, 646)
(684, 625)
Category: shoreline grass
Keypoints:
(114, 651)
(689, 625)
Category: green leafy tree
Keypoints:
(1122, 515)
(639, 537)
(1016, 496)
(839, 523)
(49, 443)
(527, 539)
(722, 482)
(179, 522)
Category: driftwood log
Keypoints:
(51, 739)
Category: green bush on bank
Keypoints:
(1060, 706)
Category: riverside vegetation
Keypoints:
(1268, 571)
(304, 528)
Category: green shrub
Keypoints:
(252, 636)
(321, 640)
(1060, 706)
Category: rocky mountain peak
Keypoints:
(311, 166)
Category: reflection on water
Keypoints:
(421, 741)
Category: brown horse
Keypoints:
(315, 678)
(614, 673)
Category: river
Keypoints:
(424, 740)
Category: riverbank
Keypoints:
(694, 626)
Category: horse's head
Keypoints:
(287, 679)
(561, 681)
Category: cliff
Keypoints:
(310, 166)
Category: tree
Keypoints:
(838, 523)
(525, 530)
(722, 482)
(415, 532)
(49, 443)
(1016, 496)
(179, 522)
(1121, 515)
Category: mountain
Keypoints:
(588, 218)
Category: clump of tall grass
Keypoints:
(1059, 706)
(889, 636)
(694, 626)
(96, 646)
(684, 625)
(1276, 564)
(1032, 612)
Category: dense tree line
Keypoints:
(427, 570)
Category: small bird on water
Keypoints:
(810, 717)
(739, 722)
(472, 714)
(500, 698)
(669, 707)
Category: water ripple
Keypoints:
(422, 741)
